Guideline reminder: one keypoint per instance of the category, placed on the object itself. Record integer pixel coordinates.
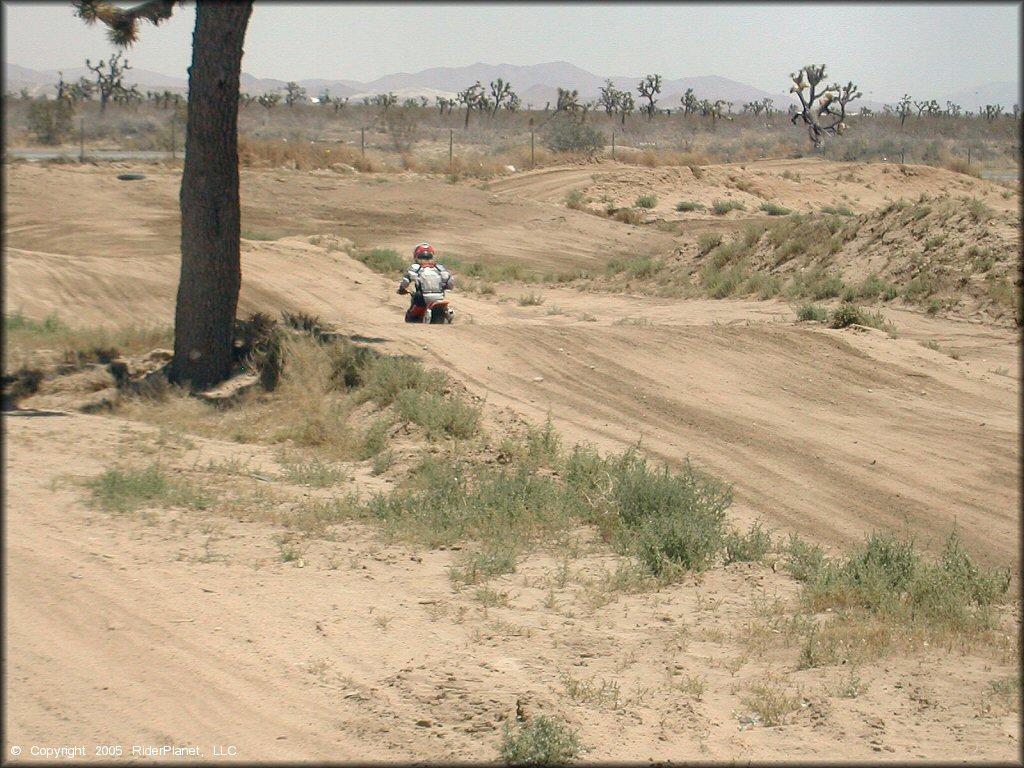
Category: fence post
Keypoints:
(532, 164)
(174, 114)
(362, 141)
(613, 145)
(968, 157)
(81, 140)
(451, 143)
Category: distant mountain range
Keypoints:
(536, 85)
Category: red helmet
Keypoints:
(423, 252)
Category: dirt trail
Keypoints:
(171, 631)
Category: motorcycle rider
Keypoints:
(428, 279)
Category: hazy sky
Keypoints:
(887, 49)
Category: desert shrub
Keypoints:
(531, 300)
(575, 199)
(722, 207)
(384, 260)
(637, 267)
(764, 286)
(646, 201)
(689, 205)
(824, 286)
(258, 346)
(574, 134)
(539, 741)
(628, 216)
(50, 122)
(870, 287)
(302, 155)
(841, 210)
(887, 577)
(812, 313)
(122, 490)
(671, 522)
(775, 210)
(747, 548)
(80, 345)
(311, 324)
(846, 314)
(439, 416)
(707, 242)
(384, 378)
(979, 210)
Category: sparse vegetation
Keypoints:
(773, 209)
(340, 433)
(722, 207)
(542, 740)
(689, 205)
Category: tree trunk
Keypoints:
(211, 271)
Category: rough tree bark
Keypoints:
(211, 273)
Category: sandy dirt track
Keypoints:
(120, 632)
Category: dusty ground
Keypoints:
(128, 632)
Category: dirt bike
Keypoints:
(436, 313)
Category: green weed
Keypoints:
(541, 740)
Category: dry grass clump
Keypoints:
(304, 156)
(651, 158)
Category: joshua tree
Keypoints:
(818, 101)
(502, 93)
(626, 106)
(268, 100)
(109, 82)
(650, 87)
(474, 98)
(610, 99)
(690, 102)
(385, 100)
(903, 109)
(444, 104)
(568, 101)
(210, 211)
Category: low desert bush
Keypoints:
(888, 577)
(122, 490)
(635, 268)
(384, 260)
(812, 313)
(841, 210)
(707, 242)
(722, 207)
(541, 740)
(749, 547)
(772, 209)
(304, 155)
(628, 216)
(22, 334)
(689, 205)
(575, 199)
(531, 300)
(848, 313)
